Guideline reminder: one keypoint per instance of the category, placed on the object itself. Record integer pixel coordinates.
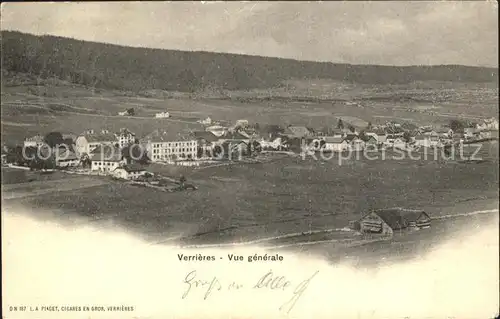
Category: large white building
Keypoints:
(125, 137)
(87, 142)
(107, 159)
(162, 146)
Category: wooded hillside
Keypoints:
(127, 68)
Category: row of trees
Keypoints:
(30, 157)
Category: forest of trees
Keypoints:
(109, 66)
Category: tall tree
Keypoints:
(53, 139)
(340, 124)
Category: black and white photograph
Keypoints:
(250, 159)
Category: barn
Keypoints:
(386, 221)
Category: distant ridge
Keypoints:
(133, 68)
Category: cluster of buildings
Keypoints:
(92, 146)
(488, 128)
(394, 135)
(102, 150)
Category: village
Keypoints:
(120, 154)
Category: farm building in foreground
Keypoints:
(129, 172)
(386, 221)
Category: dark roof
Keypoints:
(233, 143)
(109, 154)
(65, 154)
(443, 130)
(159, 136)
(297, 131)
(395, 216)
(333, 139)
(132, 168)
(125, 131)
(234, 136)
(60, 154)
(100, 137)
(368, 138)
(205, 135)
(269, 129)
(336, 131)
(421, 137)
(350, 137)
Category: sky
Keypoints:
(387, 33)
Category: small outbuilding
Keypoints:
(129, 172)
(386, 221)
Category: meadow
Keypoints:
(289, 195)
(55, 105)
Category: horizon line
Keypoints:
(250, 55)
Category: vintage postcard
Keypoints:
(250, 160)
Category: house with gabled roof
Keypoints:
(235, 149)
(354, 142)
(337, 133)
(107, 159)
(293, 131)
(34, 141)
(88, 141)
(125, 137)
(387, 221)
(217, 130)
(370, 140)
(130, 172)
(234, 136)
(206, 141)
(444, 132)
(381, 135)
(64, 157)
(471, 133)
(205, 136)
(334, 144)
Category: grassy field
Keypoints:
(28, 109)
(249, 201)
